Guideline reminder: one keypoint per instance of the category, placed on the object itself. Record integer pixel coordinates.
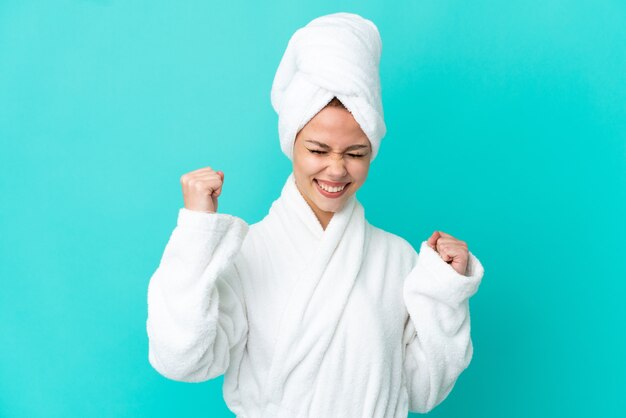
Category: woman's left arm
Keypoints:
(437, 333)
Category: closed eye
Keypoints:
(313, 151)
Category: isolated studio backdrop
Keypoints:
(506, 128)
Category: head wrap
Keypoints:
(336, 55)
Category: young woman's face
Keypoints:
(331, 159)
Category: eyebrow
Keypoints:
(350, 148)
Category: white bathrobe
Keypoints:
(306, 322)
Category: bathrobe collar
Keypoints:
(319, 294)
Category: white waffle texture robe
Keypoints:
(306, 322)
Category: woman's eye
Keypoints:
(314, 151)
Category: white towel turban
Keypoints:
(336, 55)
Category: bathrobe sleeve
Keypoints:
(437, 333)
(196, 318)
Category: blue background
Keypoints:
(506, 128)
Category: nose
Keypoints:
(337, 167)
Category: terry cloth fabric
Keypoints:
(336, 55)
(306, 322)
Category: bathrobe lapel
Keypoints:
(319, 295)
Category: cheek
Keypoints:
(359, 172)
(305, 167)
(310, 166)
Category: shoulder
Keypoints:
(257, 246)
(253, 243)
(391, 243)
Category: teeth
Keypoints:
(331, 189)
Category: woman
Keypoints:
(313, 312)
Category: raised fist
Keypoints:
(201, 188)
(453, 251)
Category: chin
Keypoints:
(334, 206)
(330, 208)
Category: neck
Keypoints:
(322, 216)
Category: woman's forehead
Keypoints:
(334, 127)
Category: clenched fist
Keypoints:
(453, 251)
(201, 188)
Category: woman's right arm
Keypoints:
(195, 306)
(196, 314)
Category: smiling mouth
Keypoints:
(329, 191)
